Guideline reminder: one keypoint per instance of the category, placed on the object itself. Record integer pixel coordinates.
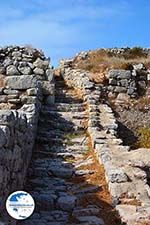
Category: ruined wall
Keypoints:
(127, 179)
(120, 84)
(127, 83)
(26, 81)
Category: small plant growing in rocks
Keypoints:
(143, 137)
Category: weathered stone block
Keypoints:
(12, 70)
(42, 64)
(11, 92)
(117, 176)
(123, 97)
(48, 88)
(113, 81)
(120, 89)
(119, 74)
(12, 96)
(32, 91)
(123, 82)
(67, 202)
(29, 99)
(38, 71)
(26, 70)
(14, 101)
(7, 117)
(21, 82)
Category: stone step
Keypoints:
(49, 134)
(54, 114)
(65, 107)
(52, 141)
(67, 100)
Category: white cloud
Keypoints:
(58, 30)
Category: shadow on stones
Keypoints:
(127, 135)
(52, 174)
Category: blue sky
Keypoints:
(64, 27)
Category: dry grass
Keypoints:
(99, 61)
(143, 137)
(142, 104)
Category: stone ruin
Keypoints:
(27, 83)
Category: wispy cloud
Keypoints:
(58, 27)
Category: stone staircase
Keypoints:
(59, 176)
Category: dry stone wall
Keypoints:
(132, 83)
(26, 81)
(125, 170)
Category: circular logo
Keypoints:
(20, 205)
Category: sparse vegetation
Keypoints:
(143, 137)
(143, 103)
(99, 61)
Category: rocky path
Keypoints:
(65, 179)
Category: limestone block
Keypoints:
(39, 71)
(12, 70)
(26, 70)
(119, 74)
(42, 64)
(21, 82)
(117, 176)
(7, 117)
(48, 88)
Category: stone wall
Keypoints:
(26, 81)
(124, 170)
(132, 83)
